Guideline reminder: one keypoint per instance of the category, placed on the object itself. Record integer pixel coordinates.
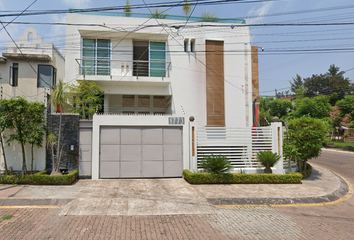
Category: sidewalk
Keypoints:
(128, 197)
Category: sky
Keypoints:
(288, 50)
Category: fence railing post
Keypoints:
(277, 145)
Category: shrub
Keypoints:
(41, 178)
(216, 164)
(307, 172)
(207, 178)
(267, 158)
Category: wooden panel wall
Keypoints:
(215, 83)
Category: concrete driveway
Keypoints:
(167, 196)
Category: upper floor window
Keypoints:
(193, 45)
(13, 79)
(96, 55)
(47, 76)
(149, 59)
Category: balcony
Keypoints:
(123, 70)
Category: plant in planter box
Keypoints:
(268, 159)
(216, 164)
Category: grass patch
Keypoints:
(241, 178)
(349, 145)
(41, 178)
(7, 217)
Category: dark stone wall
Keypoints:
(69, 136)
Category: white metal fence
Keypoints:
(239, 145)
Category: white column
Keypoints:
(277, 145)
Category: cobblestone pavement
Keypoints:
(318, 222)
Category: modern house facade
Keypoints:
(163, 79)
(29, 69)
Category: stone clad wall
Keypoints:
(69, 136)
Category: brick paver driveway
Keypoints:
(320, 222)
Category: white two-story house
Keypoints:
(162, 78)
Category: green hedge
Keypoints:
(308, 171)
(41, 178)
(198, 178)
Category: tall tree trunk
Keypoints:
(58, 148)
(31, 159)
(3, 153)
(24, 166)
(53, 158)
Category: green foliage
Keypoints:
(7, 217)
(306, 173)
(86, 98)
(325, 84)
(127, 9)
(346, 112)
(158, 13)
(209, 17)
(26, 123)
(41, 178)
(306, 137)
(264, 117)
(279, 108)
(207, 178)
(267, 158)
(186, 8)
(296, 84)
(317, 107)
(58, 97)
(216, 164)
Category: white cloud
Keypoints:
(259, 11)
(77, 3)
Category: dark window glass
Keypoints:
(46, 76)
(14, 75)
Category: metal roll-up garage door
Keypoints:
(140, 152)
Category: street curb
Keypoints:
(343, 193)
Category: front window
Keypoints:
(14, 75)
(47, 75)
(96, 54)
(149, 59)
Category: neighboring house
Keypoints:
(156, 74)
(339, 132)
(30, 75)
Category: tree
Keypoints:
(296, 83)
(3, 126)
(158, 13)
(186, 8)
(127, 9)
(306, 137)
(209, 17)
(51, 141)
(58, 99)
(280, 108)
(317, 107)
(346, 112)
(325, 84)
(15, 115)
(86, 98)
(36, 121)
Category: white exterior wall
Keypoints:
(27, 88)
(187, 80)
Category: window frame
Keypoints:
(12, 81)
(95, 58)
(53, 75)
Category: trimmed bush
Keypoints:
(41, 178)
(308, 171)
(207, 178)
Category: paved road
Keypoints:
(321, 222)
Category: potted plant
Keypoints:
(268, 159)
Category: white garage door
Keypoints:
(140, 152)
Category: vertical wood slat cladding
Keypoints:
(215, 83)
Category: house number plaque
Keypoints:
(176, 120)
